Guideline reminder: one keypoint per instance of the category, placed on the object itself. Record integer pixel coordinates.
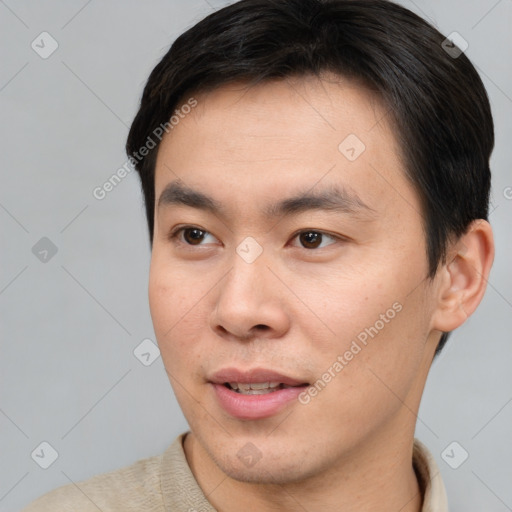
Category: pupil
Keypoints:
(309, 238)
(196, 235)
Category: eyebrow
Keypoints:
(332, 198)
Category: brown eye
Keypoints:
(193, 236)
(313, 239)
(310, 239)
(190, 235)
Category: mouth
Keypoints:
(255, 394)
(258, 388)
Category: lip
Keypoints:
(255, 375)
(253, 407)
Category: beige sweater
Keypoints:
(164, 483)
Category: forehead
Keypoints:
(246, 144)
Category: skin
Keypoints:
(296, 309)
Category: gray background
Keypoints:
(70, 324)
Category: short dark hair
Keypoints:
(437, 102)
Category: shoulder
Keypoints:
(131, 488)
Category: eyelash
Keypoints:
(174, 234)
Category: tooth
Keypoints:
(256, 391)
(260, 385)
(256, 386)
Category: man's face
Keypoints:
(291, 290)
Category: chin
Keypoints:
(262, 476)
(264, 472)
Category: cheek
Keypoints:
(392, 344)
(173, 291)
(380, 316)
(174, 316)
(175, 311)
(346, 301)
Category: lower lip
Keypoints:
(253, 407)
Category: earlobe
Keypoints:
(464, 276)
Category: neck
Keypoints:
(378, 476)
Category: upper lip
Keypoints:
(254, 375)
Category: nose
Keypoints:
(250, 302)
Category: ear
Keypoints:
(463, 278)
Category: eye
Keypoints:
(311, 239)
(192, 235)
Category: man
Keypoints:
(316, 180)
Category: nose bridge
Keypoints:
(247, 296)
(249, 272)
